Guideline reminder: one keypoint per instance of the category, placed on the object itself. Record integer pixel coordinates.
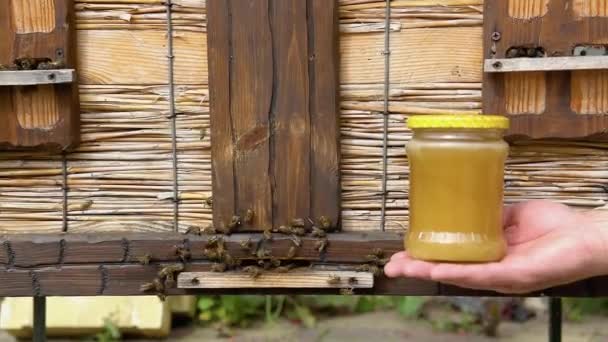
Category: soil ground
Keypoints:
(388, 327)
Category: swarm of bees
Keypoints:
(376, 262)
(28, 63)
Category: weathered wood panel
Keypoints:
(506, 36)
(268, 94)
(33, 32)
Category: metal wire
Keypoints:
(172, 114)
(386, 53)
(64, 189)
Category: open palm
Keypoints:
(549, 244)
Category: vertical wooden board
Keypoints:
(290, 111)
(251, 73)
(218, 41)
(324, 106)
(38, 115)
(274, 118)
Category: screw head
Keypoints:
(497, 65)
(496, 36)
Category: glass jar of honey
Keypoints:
(456, 187)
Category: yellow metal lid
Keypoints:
(458, 121)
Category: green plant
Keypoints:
(110, 332)
(575, 309)
(410, 307)
(230, 311)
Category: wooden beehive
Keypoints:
(121, 178)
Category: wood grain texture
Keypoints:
(590, 8)
(38, 115)
(527, 9)
(558, 120)
(274, 111)
(590, 92)
(33, 16)
(525, 93)
(306, 278)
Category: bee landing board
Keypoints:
(38, 92)
(273, 81)
(545, 63)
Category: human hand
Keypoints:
(549, 244)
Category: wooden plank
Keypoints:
(36, 77)
(38, 115)
(276, 74)
(324, 105)
(223, 156)
(75, 249)
(546, 64)
(291, 112)
(509, 35)
(310, 278)
(125, 280)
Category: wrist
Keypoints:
(598, 226)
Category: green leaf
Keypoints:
(365, 304)
(205, 316)
(205, 303)
(305, 315)
(410, 307)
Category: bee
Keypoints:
(363, 268)
(383, 262)
(285, 269)
(249, 216)
(297, 242)
(28, 63)
(262, 253)
(246, 244)
(147, 287)
(284, 230)
(378, 252)
(8, 67)
(170, 270)
(275, 262)
(221, 248)
(321, 245)
(376, 271)
(161, 296)
(213, 241)
(291, 253)
(347, 292)
(229, 260)
(298, 223)
(334, 280)
(211, 254)
(218, 268)
(195, 281)
(170, 281)
(352, 280)
(51, 65)
(159, 287)
(235, 222)
(371, 258)
(183, 253)
(325, 223)
(209, 230)
(316, 232)
(145, 259)
(193, 231)
(299, 231)
(209, 201)
(253, 271)
(267, 235)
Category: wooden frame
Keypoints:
(91, 265)
(541, 92)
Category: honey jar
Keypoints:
(456, 187)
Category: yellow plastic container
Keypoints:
(456, 187)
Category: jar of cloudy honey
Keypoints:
(456, 187)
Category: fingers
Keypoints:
(402, 265)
